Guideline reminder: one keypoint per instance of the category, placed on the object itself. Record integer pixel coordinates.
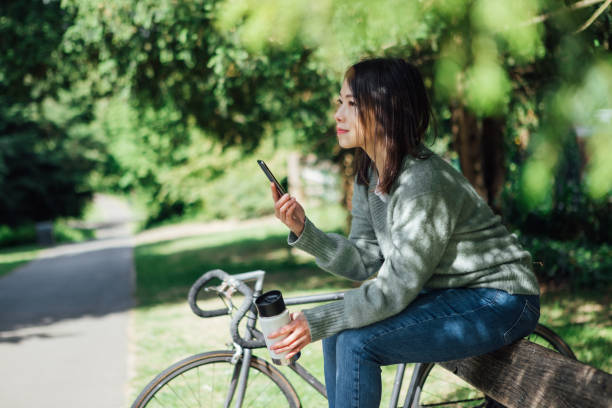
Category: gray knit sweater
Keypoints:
(433, 231)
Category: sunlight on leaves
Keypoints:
(449, 70)
(587, 107)
(452, 8)
(272, 22)
(487, 88)
(537, 177)
(599, 168)
(507, 19)
(339, 31)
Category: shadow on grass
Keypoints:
(13, 257)
(582, 318)
(164, 275)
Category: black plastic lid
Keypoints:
(270, 303)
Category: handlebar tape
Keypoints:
(239, 314)
(203, 280)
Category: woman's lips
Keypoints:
(341, 131)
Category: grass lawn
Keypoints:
(12, 258)
(165, 330)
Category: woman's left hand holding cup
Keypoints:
(298, 336)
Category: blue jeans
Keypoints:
(439, 325)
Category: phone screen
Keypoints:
(271, 177)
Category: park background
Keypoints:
(167, 104)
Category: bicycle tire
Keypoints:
(176, 386)
(459, 393)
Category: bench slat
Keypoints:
(525, 374)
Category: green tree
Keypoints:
(511, 79)
(43, 147)
(522, 88)
(177, 75)
(481, 57)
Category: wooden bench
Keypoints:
(525, 374)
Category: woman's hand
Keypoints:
(289, 211)
(298, 335)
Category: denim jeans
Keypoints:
(439, 325)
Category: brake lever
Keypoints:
(225, 291)
(225, 288)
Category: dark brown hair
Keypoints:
(392, 105)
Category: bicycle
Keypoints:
(248, 380)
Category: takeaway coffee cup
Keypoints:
(273, 315)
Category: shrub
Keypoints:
(579, 263)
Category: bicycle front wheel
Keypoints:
(436, 387)
(210, 380)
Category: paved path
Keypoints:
(64, 322)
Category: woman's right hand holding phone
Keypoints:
(289, 211)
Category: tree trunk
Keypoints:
(480, 145)
(494, 170)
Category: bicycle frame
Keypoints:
(247, 353)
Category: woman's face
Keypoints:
(347, 120)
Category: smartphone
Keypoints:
(271, 177)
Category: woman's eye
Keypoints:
(339, 101)
(352, 103)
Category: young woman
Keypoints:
(450, 280)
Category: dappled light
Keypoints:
(129, 138)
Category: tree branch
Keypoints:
(594, 16)
(575, 6)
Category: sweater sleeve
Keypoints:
(356, 258)
(420, 232)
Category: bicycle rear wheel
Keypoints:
(206, 380)
(436, 387)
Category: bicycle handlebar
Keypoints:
(239, 314)
(203, 280)
(237, 282)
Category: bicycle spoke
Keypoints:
(440, 404)
(449, 379)
(178, 396)
(438, 397)
(159, 404)
(262, 392)
(192, 379)
(200, 387)
(212, 390)
(442, 388)
(182, 376)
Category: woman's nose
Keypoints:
(338, 115)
